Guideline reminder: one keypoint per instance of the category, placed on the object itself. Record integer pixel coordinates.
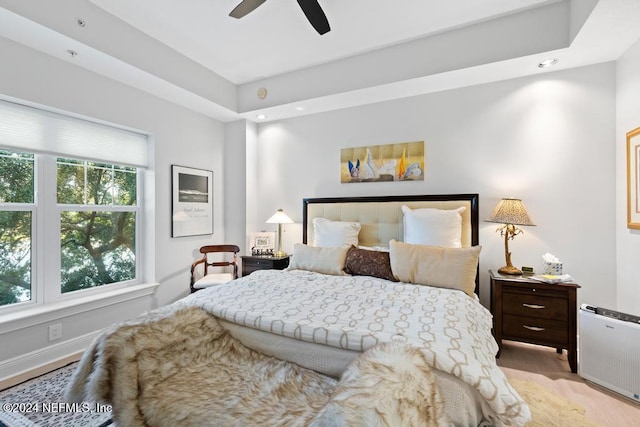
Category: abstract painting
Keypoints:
(377, 163)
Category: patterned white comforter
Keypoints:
(357, 312)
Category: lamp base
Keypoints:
(280, 254)
(510, 269)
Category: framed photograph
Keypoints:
(191, 201)
(262, 243)
(633, 179)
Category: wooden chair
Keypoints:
(214, 278)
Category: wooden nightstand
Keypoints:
(527, 310)
(251, 263)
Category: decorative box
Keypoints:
(554, 268)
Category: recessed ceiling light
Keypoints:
(261, 116)
(548, 63)
(299, 108)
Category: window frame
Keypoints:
(46, 283)
(58, 295)
(27, 207)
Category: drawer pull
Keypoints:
(533, 328)
(534, 306)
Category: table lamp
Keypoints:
(510, 212)
(280, 218)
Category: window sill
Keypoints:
(42, 314)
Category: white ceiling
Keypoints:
(192, 53)
(276, 38)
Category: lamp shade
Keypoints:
(279, 218)
(510, 211)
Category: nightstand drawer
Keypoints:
(259, 264)
(253, 263)
(535, 330)
(538, 306)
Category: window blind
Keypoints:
(33, 129)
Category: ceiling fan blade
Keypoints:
(315, 15)
(245, 7)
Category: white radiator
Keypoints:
(610, 350)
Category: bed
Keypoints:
(316, 316)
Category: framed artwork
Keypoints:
(191, 201)
(633, 179)
(262, 243)
(379, 163)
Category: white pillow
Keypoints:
(329, 233)
(453, 268)
(433, 227)
(319, 259)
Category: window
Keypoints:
(97, 223)
(16, 213)
(69, 206)
(96, 205)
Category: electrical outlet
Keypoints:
(55, 332)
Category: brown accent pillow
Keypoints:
(363, 262)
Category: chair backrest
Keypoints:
(205, 250)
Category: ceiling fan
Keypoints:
(311, 9)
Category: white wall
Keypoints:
(548, 139)
(628, 240)
(180, 137)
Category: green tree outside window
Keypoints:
(97, 211)
(16, 199)
(97, 246)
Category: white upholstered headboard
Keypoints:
(380, 217)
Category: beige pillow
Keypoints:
(453, 268)
(318, 259)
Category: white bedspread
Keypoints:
(356, 312)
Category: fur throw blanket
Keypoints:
(181, 367)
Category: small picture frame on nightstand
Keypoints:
(262, 243)
(527, 271)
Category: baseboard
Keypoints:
(30, 365)
(41, 370)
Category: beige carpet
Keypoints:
(549, 409)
